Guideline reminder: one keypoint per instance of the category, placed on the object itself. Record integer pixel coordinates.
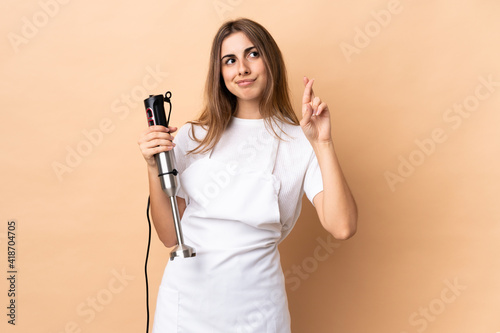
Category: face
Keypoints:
(243, 68)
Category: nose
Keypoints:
(244, 69)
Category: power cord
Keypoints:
(146, 268)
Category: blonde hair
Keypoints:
(220, 104)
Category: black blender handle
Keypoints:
(155, 111)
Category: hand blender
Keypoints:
(166, 170)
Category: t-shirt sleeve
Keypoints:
(313, 182)
(180, 157)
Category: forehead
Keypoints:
(235, 43)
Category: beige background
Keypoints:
(67, 68)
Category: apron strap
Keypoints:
(274, 151)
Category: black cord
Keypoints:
(146, 268)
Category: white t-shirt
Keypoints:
(248, 141)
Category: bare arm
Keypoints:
(335, 205)
(154, 140)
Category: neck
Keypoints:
(248, 110)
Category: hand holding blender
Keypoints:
(155, 113)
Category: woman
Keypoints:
(244, 166)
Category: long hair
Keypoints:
(220, 104)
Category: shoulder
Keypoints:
(295, 146)
(294, 134)
(292, 130)
(190, 132)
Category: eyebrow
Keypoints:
(245, 52)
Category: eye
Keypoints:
(230, 61)
(253, 54)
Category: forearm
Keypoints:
(339, 211)
(161, 210)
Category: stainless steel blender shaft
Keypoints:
(169, 184)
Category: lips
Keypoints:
(245, 82)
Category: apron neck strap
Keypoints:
(274, 151)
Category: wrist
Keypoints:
(152, 170)
(322, 145)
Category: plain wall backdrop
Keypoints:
(414, 92)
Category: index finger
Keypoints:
(157, 128)
(308, 92)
